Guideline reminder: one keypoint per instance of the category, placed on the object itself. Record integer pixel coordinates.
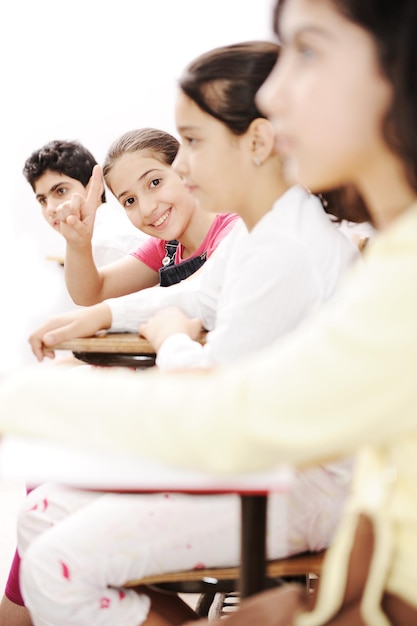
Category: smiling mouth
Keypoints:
(161, 220)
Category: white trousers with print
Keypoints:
(78, 548)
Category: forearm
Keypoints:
(82, 277)
(129, 312)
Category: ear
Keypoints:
(262, 139)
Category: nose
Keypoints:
(269, 97)
(179, 164)
(51, 205)
(146, 206)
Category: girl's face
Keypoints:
(211, 159)
(152, 194)
(326, 97)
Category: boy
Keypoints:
(61, 168)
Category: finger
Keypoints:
(197, 323)
(95, 187)
(142, 330)
(48, 353)
(194, 328)
(37, 348)
(68, 329)
(65, 209)
(76, 204)
(73, 224)
(73, 221)
(54, 337)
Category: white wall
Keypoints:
(87, 70)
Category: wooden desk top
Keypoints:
(58, 259)
(121, 343)
(126, 349)
(126, 343)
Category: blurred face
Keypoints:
(52, 189)
(211, 159)
(325, 97)
(152, 194)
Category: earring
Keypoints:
(257, 161)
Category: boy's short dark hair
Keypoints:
(64, 157)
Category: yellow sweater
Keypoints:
(346, 378)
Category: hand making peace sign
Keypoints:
(77, 214)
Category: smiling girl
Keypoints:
(137, 169)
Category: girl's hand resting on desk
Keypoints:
(76, 216)
(167, 322)
(83, 323)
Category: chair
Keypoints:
(305, 568)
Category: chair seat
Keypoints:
(297, 565)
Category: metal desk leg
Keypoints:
(253, 544)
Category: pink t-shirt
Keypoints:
(153, 250)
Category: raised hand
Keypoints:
(77, 215)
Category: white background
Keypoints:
(87, 70)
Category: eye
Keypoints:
(187, 140)
(61, 191)
(305, 51)
(129, 202)
(155, 182)
(42, 201)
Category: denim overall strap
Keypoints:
(172, 274)
(170, 250)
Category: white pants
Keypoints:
(78, 548)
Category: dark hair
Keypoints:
(393, 26)
(64, 157)
(223, 82)
(345, 203)
(159, 143)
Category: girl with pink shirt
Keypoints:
(137, 170)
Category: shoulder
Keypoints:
(222, 219)
(153, 244)
(223, 224)
(151, 252)
(301, 215)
